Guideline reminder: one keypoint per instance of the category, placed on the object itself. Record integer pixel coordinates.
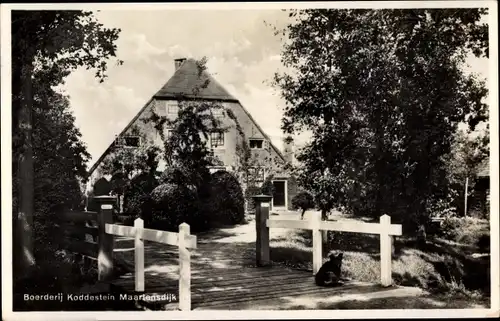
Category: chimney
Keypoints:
(179, 62)
(288, 149)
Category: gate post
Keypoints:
(385, 251)
(105, 241)
(262, 203)
(317, 241)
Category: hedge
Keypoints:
(172, 205)
(227, 204)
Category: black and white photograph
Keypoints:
(250, 160)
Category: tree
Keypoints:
(46, 47)
(303, 201)
(59, 163)
(133, 171)
(382, 92)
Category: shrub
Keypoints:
(172, 205)
(483, 243)
(267, 187)
(249, 193)
(449, 227)
(464, 230)
(303, 201)
(102, 187)
(226, 202)
(137, 194)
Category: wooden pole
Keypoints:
(465, 195)
(184, 268)
(262, 240)
(105, 241)
(385, 251)
(139, 256)
(317, 242)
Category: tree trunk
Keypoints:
(465, 195)
(324, 215)
(379, 162)
(24, 222)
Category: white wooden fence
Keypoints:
(184, 240)
(385, 229)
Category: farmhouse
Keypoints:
(188, 83)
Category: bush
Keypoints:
(464, 230)
(172, 205)
(102, 187)
(267, 187)
(137, 195)
(227, 204)
(483, 243)
(249, 193)
(303, 201)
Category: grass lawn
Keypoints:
(444, 268)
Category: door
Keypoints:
(279, 194)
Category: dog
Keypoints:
(329, 273)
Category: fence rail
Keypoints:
(77, 233)
(81, 233)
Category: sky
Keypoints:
(242, 51)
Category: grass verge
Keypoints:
(442, 267)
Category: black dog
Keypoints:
(329, 273)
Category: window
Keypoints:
(216, 139)
(218, 112)
(130, 141)
(172, 108)
(168, 133)
(214, 169)
(256, 143)
(257, 174)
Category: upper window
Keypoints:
(214, 169)
(257, 173)
(172, 108)
(130, 141)
(218, 112)
(217, 139)
(256, 143)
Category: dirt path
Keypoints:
(223, 248)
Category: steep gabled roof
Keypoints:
(181, 85)
(190, 76)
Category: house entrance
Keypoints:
(279, 196)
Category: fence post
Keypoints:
(324, 236)
(184, 268)
(385, 251)
(105, 241)
(139, 255)
(262, 203)
(317, 241)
